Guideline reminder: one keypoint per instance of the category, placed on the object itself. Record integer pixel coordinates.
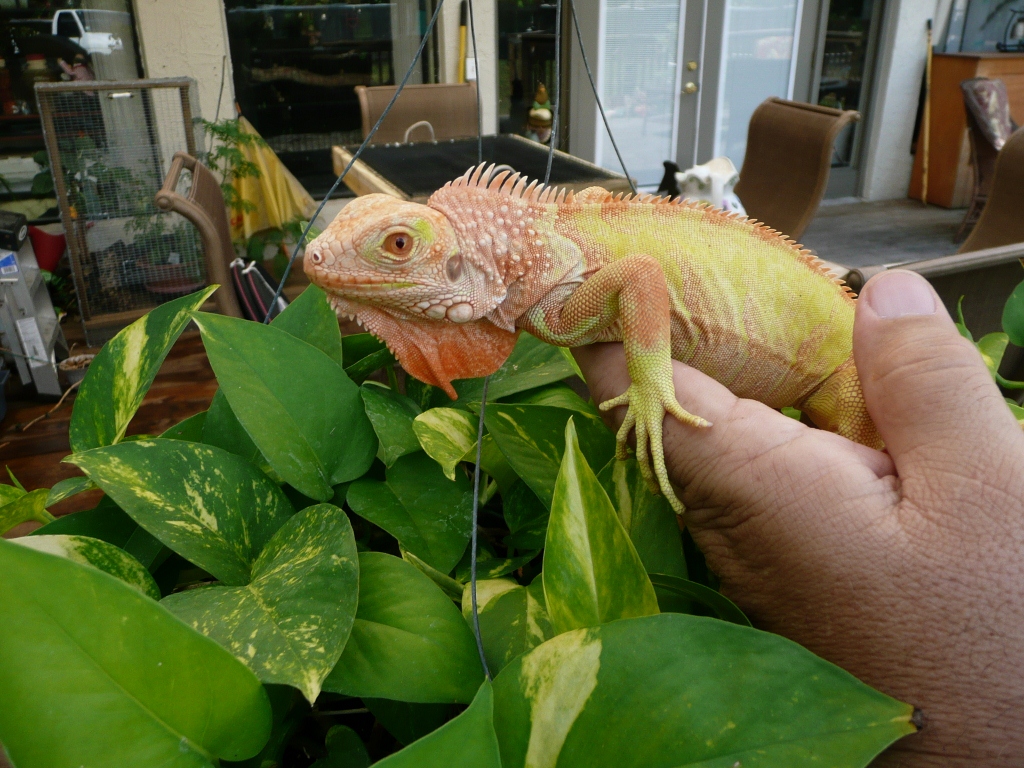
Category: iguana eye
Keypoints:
(398, 244)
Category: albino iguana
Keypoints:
(448, 285)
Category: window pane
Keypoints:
(637, 71)
(757, 58)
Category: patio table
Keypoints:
(415, 170)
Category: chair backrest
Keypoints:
(1002, 220)
(787, 163)
(204, 207)
(450, 108)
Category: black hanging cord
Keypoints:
(476, 509)
(597, 97)
(476, 69)
(553, 138)
(305, 232)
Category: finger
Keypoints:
(752, 456)
(926, 387)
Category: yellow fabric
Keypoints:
(278, 196)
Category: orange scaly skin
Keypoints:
(449, 284)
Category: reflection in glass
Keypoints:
(758, 62)
(637, 74)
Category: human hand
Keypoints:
(905, 568)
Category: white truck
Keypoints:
(81, 27)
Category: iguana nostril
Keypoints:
(316, 257)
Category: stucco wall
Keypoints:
(901, 63)
(188, 38)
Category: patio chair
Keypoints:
(438, 111)
(789, 156)
(989, 125)
(1002, 220)
(204, 207)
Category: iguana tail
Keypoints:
(838, 406)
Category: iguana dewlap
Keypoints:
(448, 285)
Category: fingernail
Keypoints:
(898, 294)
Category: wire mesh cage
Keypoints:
(110, 145)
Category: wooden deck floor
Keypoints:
(184, 386)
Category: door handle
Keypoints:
(690, 87)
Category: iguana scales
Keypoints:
(448, 285)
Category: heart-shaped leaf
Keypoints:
(190, 429)
(28, 506)
(682, 596)
(1013, 316)
(67, 488)
(513, 619)
(648, 518)
(592, 573)
(122, 372)
(391, 414)
(98, 554)
(291, 622)
(531, 364)
(468, 741)
(446, 435)
(674, 690)
(532, 438)
(409, 642)
(114, 676)
(208, 505)
(296, 403)
(430, 515)
(310, 318)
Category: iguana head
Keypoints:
(398, 269)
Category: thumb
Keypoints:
(926, 387)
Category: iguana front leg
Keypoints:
(634, 292)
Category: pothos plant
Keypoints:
(284, 580)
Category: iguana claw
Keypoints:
(647, 407)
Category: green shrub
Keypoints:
(308, 536)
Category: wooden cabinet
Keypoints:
(950, 179)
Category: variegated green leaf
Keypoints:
(531, 364)
(409, 642)
(532, 438)
(992, 347)
(190, 429)
(28, 506)
(391, 414)
(67, 488)
(295, 403)
(513, 619)
(676, 595)
(526, 517)
(98, 554)
(122, 372)
(117, 679)
(9, 493)
(291, 622)
(592, 573)
(447, 435)
(674, 690)
(208, 505)
(448, 585)
(468, 741)
(492, 566)
(558, 395)
(430, 515)
(647, 518)
(223, 430)
(310, 318)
